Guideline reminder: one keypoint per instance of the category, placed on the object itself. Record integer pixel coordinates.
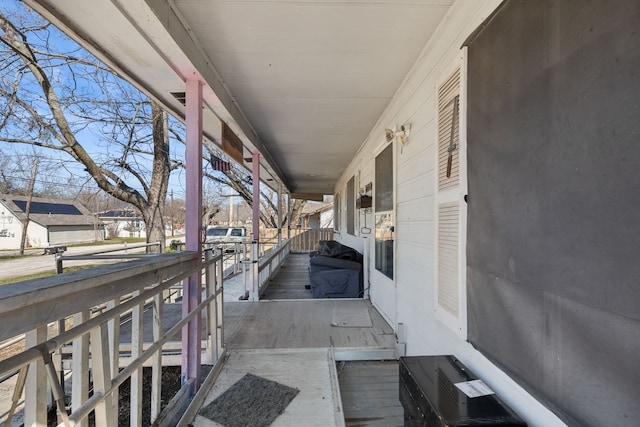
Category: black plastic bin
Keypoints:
(430, 398)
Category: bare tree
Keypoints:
(53, 100)
(241, 182)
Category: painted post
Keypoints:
(255, 221)
(289, 216)
(254, 295)
(279, 214)
(191, 294)
(255, 166)
(35, 410)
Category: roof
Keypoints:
(301, 82)
(313, 209)
(48, 212)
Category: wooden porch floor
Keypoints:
(291, 279)
(292, 340)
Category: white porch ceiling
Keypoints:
(302, 81)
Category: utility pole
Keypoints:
(27, 209)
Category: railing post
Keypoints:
(211, 310)
(107, 409)
(156, 359)
(58, 263)
(254, 295)
(236, 257)
(80, 366)
(35, 406)
(113, 329)
(219, 306)
(136, 376)
(245, 271)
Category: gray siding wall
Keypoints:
(554, 195)
(71, 234)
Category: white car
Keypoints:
(223, 234)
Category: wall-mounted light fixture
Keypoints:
(399, 133)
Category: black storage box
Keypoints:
(430, 398)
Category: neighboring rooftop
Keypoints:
(48, 211)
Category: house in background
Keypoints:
(122, 223)
(318, 216)
(51, 222)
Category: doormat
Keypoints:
(349, 316)
(252, 401)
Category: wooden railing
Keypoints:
(125, 288)
(261, 267)
(303, 240)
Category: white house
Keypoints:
(51, 222)
(499, 141)
(122, 223)
(318, 216)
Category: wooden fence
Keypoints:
(303, 240)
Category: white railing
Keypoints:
(263, 267)
(126, 288)
(302, 240)
(233, 252)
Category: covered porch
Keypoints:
(482, 156)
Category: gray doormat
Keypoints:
(351, 317)
(252, 401)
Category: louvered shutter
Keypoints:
(448, 226)
(449, 132)
(449, 215)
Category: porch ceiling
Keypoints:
(302, 81)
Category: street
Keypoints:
(18, 267)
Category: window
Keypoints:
(384, 180)
(351, 202)
(384, 212)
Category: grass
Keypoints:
(120, 240)
(44, 274)
(8, 257)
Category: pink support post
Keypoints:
(191, 286)
(256, 196)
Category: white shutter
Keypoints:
(448, 275)
(448, 117)
(451, 215)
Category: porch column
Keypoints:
(279, 214)
(193, 240)
(254, 295)
(288, 215)
(255, 166)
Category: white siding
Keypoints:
(10, 229)
(37, 235)
(417, 208)
(326, 218)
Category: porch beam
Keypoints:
(191, 286)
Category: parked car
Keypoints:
(222, 234)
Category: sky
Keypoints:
(96, 139)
